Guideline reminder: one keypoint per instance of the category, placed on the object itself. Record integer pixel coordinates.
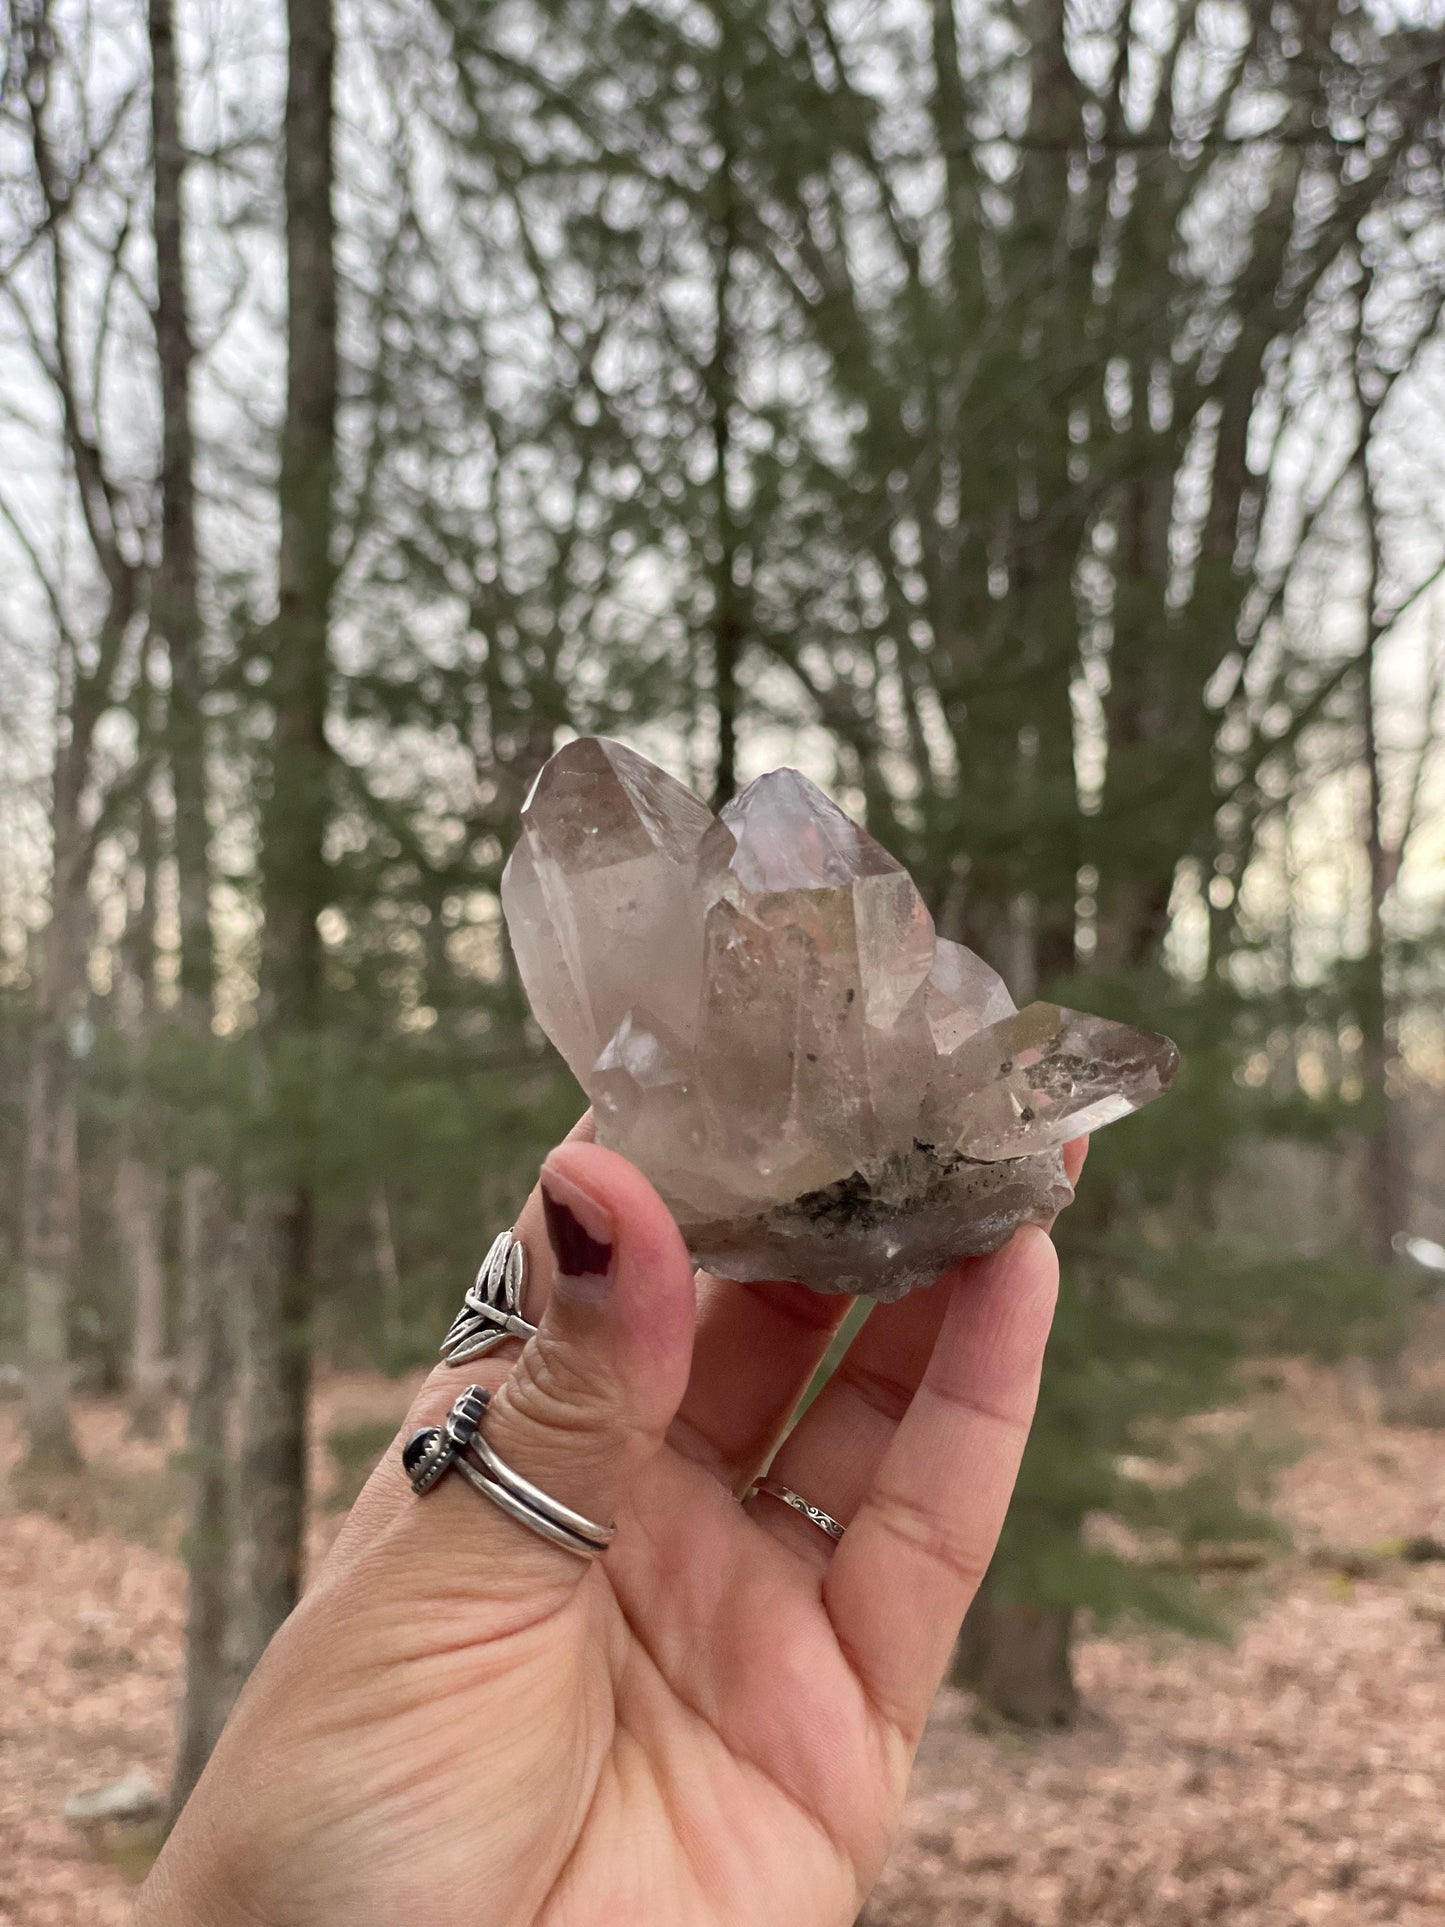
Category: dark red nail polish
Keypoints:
(580, 1253)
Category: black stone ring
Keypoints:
(429, 1454)
(457, 1445)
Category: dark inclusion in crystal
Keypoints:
(766, 1023)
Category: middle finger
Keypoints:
(756, 1350)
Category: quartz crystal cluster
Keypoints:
(766, 1024)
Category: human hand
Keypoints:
(714, 1723)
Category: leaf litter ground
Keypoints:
(1293, 1779)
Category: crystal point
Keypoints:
(787, 835)
(758, 1007)
(964, 996)
(1045, 1075)
(599, 896)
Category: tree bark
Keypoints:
(388, 1272)
(1385, 1190)
(294, 874)
(1384, 1203)
(1385, 1208)
(175, 600)
(51, 1209)
(50, 1222)
(139, 1206)
(1018, 1659)
(139, 1194)
(271, 1514)
(727, 621)
(210, 1271)
(208, 1262)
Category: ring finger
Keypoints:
(832, 1456)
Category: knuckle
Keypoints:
(920, 1531)
(880, 1392)
(560, 1389)
(430, 1406)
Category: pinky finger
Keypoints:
(912, 1558)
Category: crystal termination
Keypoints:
(766, 1024)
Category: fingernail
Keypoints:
(582, 1236)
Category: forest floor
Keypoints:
(1291, 1777)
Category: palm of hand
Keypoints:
(742, 1775)
(716, 1724)
(679, 1739)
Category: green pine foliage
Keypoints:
(1145, 1452)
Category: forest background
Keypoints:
(1027, 418)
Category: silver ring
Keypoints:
(814, 1514)
(509, 1480)
(457, 1445)
(491, 1310)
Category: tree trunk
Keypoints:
(139, 1195)
(48, 1244)
(175, 602)
(1018, 1659)
(294, 874)
(209, 1270)
(388, 1272)
(1385, 1195)
(273, 1393)
(727, 622)
(50, 1221)
(1384, 1199)
(209, 1264)
(139, 1208)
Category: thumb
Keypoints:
(593, 1393)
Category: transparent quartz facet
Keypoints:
(766, 1024)
(600, 896)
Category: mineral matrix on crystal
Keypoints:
(766, 1024)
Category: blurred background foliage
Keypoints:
(1025, 417)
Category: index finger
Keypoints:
(911, 1560)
